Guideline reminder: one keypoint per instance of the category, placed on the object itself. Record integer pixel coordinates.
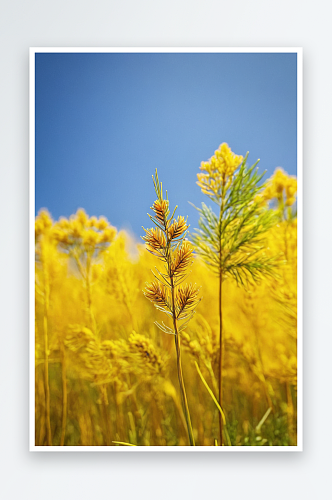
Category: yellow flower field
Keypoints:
(106, 375)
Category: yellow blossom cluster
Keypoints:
(218, 171)
(43, 223)
(282, 187)
(79, 228)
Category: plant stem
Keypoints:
(64, 395)
(177, 339)
(220, 358)
(105, 415)
(290, 414)
(85, 273)
(180, 373)
(221, 213)
(88, 293)
(263, 379)
(46, 381)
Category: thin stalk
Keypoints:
(260, 359)
(120, 422)
(180, 411)
(130, 314)
(105, 416)
(212, 375)
(40, 402)
(123, 443)
(220, 359)
(216, 403)
(88, 293)
(64, 395)
(180, 373)
(178, 344)
(41, 430)
(290, 413)
(221, 213)
(46, 377)
(136, 414)
(85, 273)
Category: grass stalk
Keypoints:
(181, 383)
(46, 375)
(222, 414)
(220, 359)
(105, 415)
(290, 414)
(64, 396)
(88, 293)
(221, 213)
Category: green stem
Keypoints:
(64, 395)
(222, 204)
(46, 377)
(216, 403)
(177, 340)
(105, 415)
(180, 373)
(220, 358)
(262, 370)
(85, 273)
(88, 293)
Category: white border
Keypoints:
(300, 249)
(135, 449)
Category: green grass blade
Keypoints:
(123, 444)
(215, 401)
(266, 414)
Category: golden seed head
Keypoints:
(187, 298)
(177, 228)
(145, 347)
(160, 208)
(155, 240)
(182, 258)
(157, 293)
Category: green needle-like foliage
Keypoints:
(232, 241)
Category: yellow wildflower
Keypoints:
(219, 169)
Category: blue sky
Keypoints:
(105, 122)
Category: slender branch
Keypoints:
(180, 373)
(64, 395)
(46, 378)
(178, 345)
(88, 293)
(222, 204)
(220, 357)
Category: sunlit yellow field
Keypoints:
(106, 374)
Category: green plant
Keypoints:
(167, 292)
(231, 242)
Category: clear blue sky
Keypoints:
(104, 122)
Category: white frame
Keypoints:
(135, 449)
